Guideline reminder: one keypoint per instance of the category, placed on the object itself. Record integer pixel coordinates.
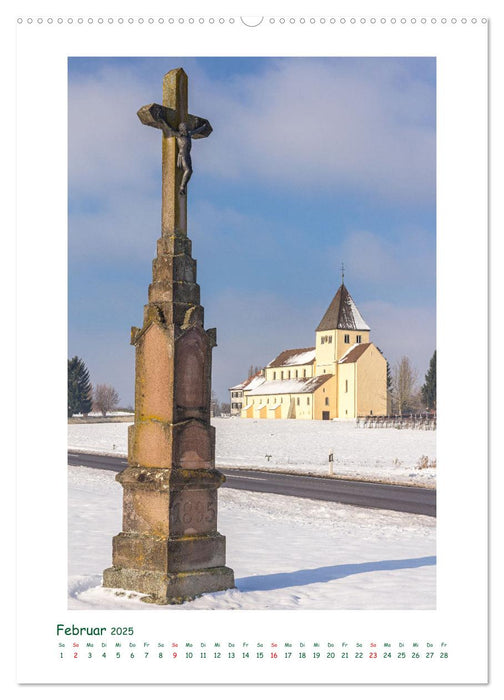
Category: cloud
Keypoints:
(320, 124)
(300, 124)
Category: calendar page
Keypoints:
(294, 498)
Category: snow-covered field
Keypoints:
(384, 454)
(287, 553)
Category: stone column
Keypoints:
(169, 548)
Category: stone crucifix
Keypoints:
(179, 128)
(169, 548)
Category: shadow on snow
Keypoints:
(303, 577)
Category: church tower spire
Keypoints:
(341, 327)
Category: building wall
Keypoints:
(301, 406)
(236, 397)
(289, 372)
(325, 399)
(372, 383)
(346, 390)
(342, 346)
(325, 352)
(281, 406)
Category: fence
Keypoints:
(417, 421)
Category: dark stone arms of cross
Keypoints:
(190, 127)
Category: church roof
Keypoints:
(290, 386)
(250, 383)
(342, 314)
(353, 353)
(299, 356)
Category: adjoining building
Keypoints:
(343, 376)
(237, 392)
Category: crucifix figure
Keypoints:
(183, 137)
(179, 128)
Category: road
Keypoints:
(407, 499)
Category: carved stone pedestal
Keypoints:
(169, 548)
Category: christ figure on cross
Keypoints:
(184, 142)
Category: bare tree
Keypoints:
(215, 409)
(105, 398)
(404, 389)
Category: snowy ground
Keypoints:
(287, 553)
(384, 454)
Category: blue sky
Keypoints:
(312, 162)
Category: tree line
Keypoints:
(83, 397)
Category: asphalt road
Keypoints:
(407, 499)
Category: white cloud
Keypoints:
(302, 124)
(322, 125)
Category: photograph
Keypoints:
(252, 289)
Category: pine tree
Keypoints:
(79, 387)
(429, 388)
(389, 377)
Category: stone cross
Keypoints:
(178, 127)
(169, 547)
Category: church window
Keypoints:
(330, 339)
(358, 339)
(346, 386)
(281, 375)
(288, 374)
(322, 340)
(297, 401)
(308, 400)
(347, 338)
(304, 373)
(274, 375)
(267, 400)
(327, 401)
(296, 374)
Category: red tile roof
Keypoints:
(354, 353)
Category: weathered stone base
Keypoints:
(169, 589)
(169, 555)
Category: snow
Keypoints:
(287, 553)
(381, 454)
(255, 382)
(302, 358)
(359, 322)
(281, 386)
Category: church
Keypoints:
(344, 376)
